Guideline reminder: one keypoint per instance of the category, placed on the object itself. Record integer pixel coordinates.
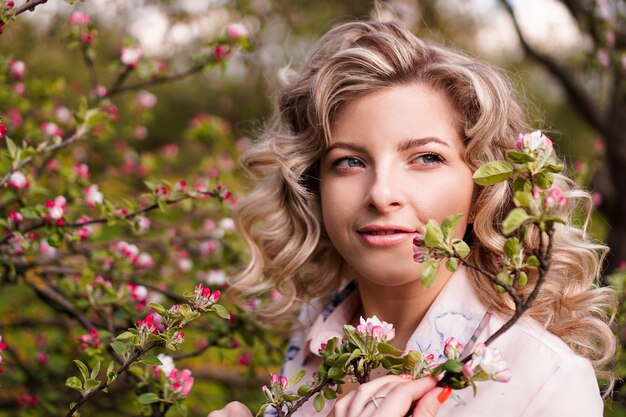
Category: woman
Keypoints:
(379, 133)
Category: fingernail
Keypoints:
(444, 395)
(406, 377)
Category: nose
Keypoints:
(386, 190)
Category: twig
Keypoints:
(118, 89)
(138, 352)
(29, 5)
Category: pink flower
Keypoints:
(603, 58)
(93, 196)
(245, 358)
(130, 56)
(99, 91)
(384, 331)
(181, 382)
(143, 224)
(63, 114)
(91, 339)
(283, 381)
(81, 170)
(487, 361)
(15, 217)
(56, 208)
(78, 18)
(3, 346)
(146, 99)
(51, 129)
(140, 132)
(144, 260)
(146, 325)
(178, 338)
(236, 31)
(209, 247)
(420, 252)
(452, 348)
(27, 400)
(535, 142)
(220, 51)
(15, 116)
(554, 198)
(85, 231)
(41, 358)
(273, 379)
(17, 69)
(46, 250)
(18, 181)
(3, 130)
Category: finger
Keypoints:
(232, 409)
(431, 402)
(398, 402)
(343, 404)
(365, 393)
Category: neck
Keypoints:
(404, 305)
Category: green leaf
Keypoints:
(95, 370)
(555, 168)
(512, 247)
(523, 278)
(544, 180)
(429, 273)
(434, 234)
(295, 378)
(261, 411)
(74, 383)
(148, 398)
(505, 278)
(330, 394)
(514, 220)
(318, 403)
(221, 311)
(111, 374)
(522, 184)
(120, 347)
(453, 366)
(158, 308)
(450, 223)
(387, 349)
(519, 157)
(461, 248)
(493, 173)
(72, 1)
(151, 360)
(90, 385)
(93, 117)
(452, 264)
(304, 389)
(12, 148)
(532, 261)
(125, 336)
(336, 372)
(181, 407)
(84, 371)
(522, 198)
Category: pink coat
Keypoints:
(548, 379)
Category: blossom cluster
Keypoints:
(487, 363)
(379, 330)
(178, 383)
(203, 298)
(90, 340)
(131, 252)
(3, 347)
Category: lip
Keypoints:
(394, 235)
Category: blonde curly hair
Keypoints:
(280, 220)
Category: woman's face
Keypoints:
(395, 161)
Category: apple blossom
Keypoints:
(15, 217)
(487, 363)
(51, 129)
(146, 99)
(41, 358)
(178, 338)
(19, 88)
(78, 18)
(17, 69)
(452, 348)
(215, 277)
(384, 331)
(15, 117)
(99, 91)
(554, 198)
(84, 231)
(27, 400)
(236, 31)
(181, 382)
(143, 224)
(93, 196)
(46, 250)
(63, 114)
(420, 252)
(3, 130)
(18, 181)
(534, 142)
(130, 56)
(219, 52)
(209, 247)
(140, 132)
(167, 364)
(81, 170)
(56, 208)
(144, 260)
(91, 339)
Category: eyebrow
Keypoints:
(403, 146)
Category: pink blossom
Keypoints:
(3, 130)
(598, 145)
(78, 18)
(143, 224)
(130, 56)
(63, 114)
(147, 325)
(3, 345)
(15, 116)
(93, 196)
(146, 99)
(220, 51)
(81, 170)
(178, 338)
(51, 129)
(366, 327)
(603, 58)
(181, 382)
(91, 339)
(15, 217)
(184, 264)
(452, 348)
(140, 132)
(554, 198)
(487, 361)
(53, 165)
(535, 142)
(236, 31)
(27, 400)
(209, 247)
(596, 199)
(99, 91)
(208, 225)
(245, 358)
(17, 69)
(420, 252)
(18, 181)
(169, 150)
(85, 231)
(283, 381)
(46, 250)
(144, 260)
(42, 358)
(377, 333)
(273, 379)
(56, 208)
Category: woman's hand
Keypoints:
(392, 396)
(232, 409)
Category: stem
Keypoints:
(132, 359)
(304, 399)
(508, 288)
(118, 88)
(30, 5)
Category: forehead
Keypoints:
(405, 111)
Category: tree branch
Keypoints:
(29, 5)
(578, 96)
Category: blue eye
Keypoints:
(429, 159)
(348, 162)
